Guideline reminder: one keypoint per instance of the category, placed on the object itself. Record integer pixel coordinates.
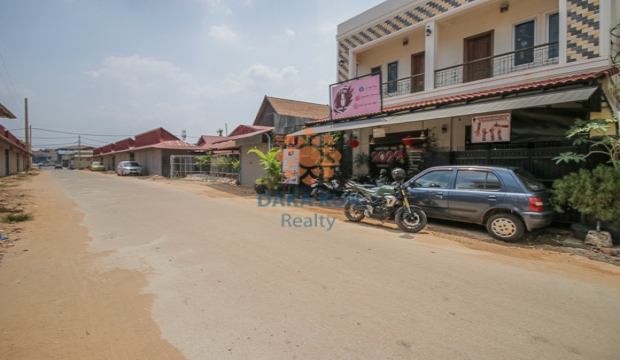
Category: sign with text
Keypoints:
(290, 166)
(378, 132)
(490, 128)
(356, 97)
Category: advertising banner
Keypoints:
(290, 166)
(356, 97)
(490, 128)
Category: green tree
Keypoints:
(594, 132)
(270, 163)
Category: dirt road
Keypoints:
(121, 268)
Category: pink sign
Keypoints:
(356, 97)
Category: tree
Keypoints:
(270, 163)
(220, 132)
(593, 132)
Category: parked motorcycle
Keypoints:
(384, 202)
(323, 189)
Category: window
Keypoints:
(525, 35)
(477, 180)
(392, 70)
(530, 182)
(436, 179)
(553, 34)
(375, 70)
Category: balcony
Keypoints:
(403, 86)
(523, 59)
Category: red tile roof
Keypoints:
(293, 108)
(482, 94)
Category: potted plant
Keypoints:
(259, 186)
(593, 193)
(270, 163)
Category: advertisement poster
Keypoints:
(290, 166)
(356, 97)
(490, 128)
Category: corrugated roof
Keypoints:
(293, 108)
(482, 94)
(5, 113)
(207, 139)
(246, 135)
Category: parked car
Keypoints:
(97, 166)
(57, 166)
(508, 200)
(128, 168)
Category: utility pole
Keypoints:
(30, 143)
(79, 153)
(26, 137)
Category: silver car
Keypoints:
(128, 168)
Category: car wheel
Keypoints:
(505, 227)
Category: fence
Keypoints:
(203, 167)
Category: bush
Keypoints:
(16, 217)
(595, 194)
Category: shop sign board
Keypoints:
(356, 97)
(290, 166)
(490, 128)
(378, 132)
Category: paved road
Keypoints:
(232, 282)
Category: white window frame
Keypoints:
(536, 20)
(547, 15)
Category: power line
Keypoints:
(72, 133)
(104, 142)
(53, 138)
(11, 80)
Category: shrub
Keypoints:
(593, 193)
(17, 217)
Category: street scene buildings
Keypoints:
(456, 195)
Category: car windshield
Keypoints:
(96, 163)
(133, 163)
(529, 180)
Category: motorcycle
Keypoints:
(322, 189)
(383, 203)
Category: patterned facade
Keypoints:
(583, 23)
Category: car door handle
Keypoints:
(492, 197)
(439, 195)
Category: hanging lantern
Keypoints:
(353, 143)
(408, 141)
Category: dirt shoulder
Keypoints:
(53, 306)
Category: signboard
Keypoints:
(378, 132)
(290, 166)
(490, 128)
(356, 97)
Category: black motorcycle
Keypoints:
(383, 203)
(326, 188)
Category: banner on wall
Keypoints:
(490, 128)
(356, 97)
(290, 166)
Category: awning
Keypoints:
(559, 97)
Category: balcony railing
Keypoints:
(403, 86)
(528, 58)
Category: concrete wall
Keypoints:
(150, 159)
(250, 168)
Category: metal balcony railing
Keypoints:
(403, 86)
(501, 64)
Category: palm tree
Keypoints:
(272, 165)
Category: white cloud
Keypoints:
(223, 34)
(261, 73)
(288, 35)
(248, 2)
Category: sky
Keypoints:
(123, 67)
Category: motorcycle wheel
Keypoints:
(320, 193)
(352, 214)
(413, 222)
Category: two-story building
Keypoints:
(476, 81)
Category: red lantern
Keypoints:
(354, 143)
(408, 141)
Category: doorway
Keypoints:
(417, 72)
(478, 50)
